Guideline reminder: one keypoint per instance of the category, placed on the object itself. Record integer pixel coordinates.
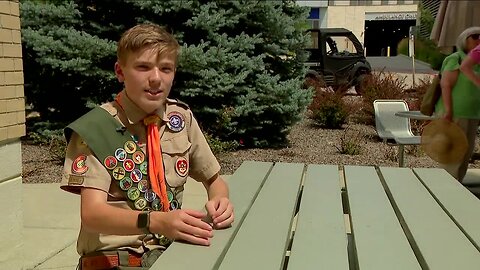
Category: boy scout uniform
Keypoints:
(185, 152)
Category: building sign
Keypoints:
(390, 16)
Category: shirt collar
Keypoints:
(133, 113)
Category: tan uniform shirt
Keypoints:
(187, 144)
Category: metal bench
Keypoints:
(298, 216)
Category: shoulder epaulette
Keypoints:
(179, 103)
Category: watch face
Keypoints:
(143, 221)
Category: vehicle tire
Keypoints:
(359, 84)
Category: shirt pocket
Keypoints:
(175, 153)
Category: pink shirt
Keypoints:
(475, 54)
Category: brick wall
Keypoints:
(12, 127)
(12, 101)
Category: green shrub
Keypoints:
(328, 108)
(425, 50)
(219, 146)
(245, 55)
(350, 143)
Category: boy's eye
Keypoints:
(167, 69)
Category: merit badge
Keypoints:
(157, 205)
(128, 165)
(144, 167)
(120, 154)
(130, 147)
(140, 203)
(181, 166)
(176, 122)
(142, 185)
(138, 157)
(150, 195)
(133, 193)
(110, 162)
(79, 166)
(126, 183)
(174, 205)
(170, 195)
(118, 173)
(136, 175)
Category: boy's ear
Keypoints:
(119, 72)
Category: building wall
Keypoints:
(353, 17)
(12, 127)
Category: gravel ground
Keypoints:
(308, 144)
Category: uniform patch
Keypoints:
(118, 173)
(110, 162)
(79, 165)
(181, 166)
(130, 147)
(120, 154)
(128, 165)
(136, 175)
(176, 121)
(138, 157)
(140, 203)
(75, 180)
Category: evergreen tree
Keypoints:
(241, 66)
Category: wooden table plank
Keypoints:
(459, 202)
(262, 239)
(320, 237)
(379, 239)
(437, 241)
(245, 184)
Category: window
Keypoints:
(340, 46)
(384, 2)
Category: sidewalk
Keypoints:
(52, 221)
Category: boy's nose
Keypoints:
(155, 75)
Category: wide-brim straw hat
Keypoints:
(444, 141)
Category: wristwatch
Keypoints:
(143, 222)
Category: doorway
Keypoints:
(381, 34)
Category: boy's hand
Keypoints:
(186, 225)
(221, 211)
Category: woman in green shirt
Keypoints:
(460, 101)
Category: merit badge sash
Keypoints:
(126, 162)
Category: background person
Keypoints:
(129, 160)
(469, 63)
(460, 100)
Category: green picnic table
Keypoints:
(301, 216)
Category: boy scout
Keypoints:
(129, 159)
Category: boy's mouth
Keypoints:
(154, 91)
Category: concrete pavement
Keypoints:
(52, 219)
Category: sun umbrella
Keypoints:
(452, 18)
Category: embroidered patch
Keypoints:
(181, 166)
(130, 147)
(176, 121)
(75, 180)
(110, 162)
(138, 157)
(79, 165)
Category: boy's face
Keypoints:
(148, 78)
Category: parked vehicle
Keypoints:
(337, 59)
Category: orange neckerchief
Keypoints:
(156, 171)
(155, 161)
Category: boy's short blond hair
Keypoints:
(147, 36)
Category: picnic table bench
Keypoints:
(298, 216)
